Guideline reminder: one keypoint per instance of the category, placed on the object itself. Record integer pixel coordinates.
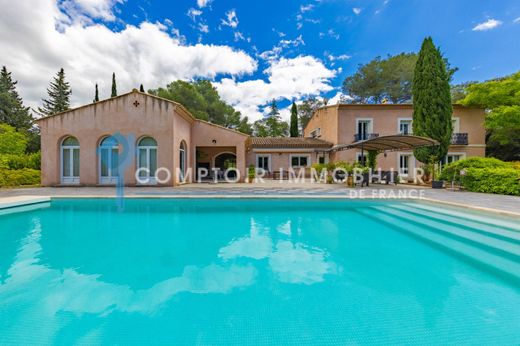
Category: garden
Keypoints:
(17, 166)
(488, 175)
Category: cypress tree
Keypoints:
(141, 88)
(96, 95)
(294, 132)
(59, 96)
(114, 86)
(12, 110)
(432, 103)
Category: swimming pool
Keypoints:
(224, 272)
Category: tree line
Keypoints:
(381, 80)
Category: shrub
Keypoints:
(372, 159)
(504, 181)
(19, 177)
(344, 165)
(319, 167)
(251, 173)
(452, 171)
(13, 161)
(11, 141)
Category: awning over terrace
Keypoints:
(389, 143)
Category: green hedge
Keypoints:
(452, 171)
(505, 181)
(14, 161)
(19, 177)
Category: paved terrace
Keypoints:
(276, 189)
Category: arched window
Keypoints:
(182, 160)
(108, 161)
(147, 160)
(69, 161)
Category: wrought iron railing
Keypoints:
(459, 139)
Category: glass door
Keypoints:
(404, 164)
(109, 161)
(70, 161)
(262, 161)
(147, 160)
(363, 129)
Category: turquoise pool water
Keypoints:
(257, 272)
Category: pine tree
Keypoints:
(59, 96)
(114, 86)
(294, 132)
(96, 95)
(12, 110)
(273, 111)
(272, 125)
(432, 103)
(141, 88)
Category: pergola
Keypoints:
(388, 143)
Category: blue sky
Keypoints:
(253, 51)
(381, 28)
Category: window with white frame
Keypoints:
(109, 161)
(316, 133)
(183, 160)
(452, 158)
(456, 124)
(300, 160)
(264, 162)
(70, 161)
(363, 128)
(147, 159)
(405, 162)
(405, 126)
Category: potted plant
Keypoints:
(436, 173)
(427, 169)
(251, 174)
(350, 180)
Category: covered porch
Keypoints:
(217, 149)
(216, 160)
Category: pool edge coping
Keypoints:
(43, 199)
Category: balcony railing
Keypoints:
(364, 136)
(459, 139)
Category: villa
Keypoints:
(155, 136)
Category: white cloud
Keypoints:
(275, 52)
(286, 79)
(339, 98)
(238, 36)
(306, 8)
(333, 58)
(102, 9)
(487, 25)
(330, 33)
(34, 50)
(300, 18)
(517, 20)
(356, 10)
(203, 28)
(231, 19)
(203, 3)
(194, 13)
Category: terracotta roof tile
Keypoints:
(288, 142)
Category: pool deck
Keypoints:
(271, 189)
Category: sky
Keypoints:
(253, 51)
